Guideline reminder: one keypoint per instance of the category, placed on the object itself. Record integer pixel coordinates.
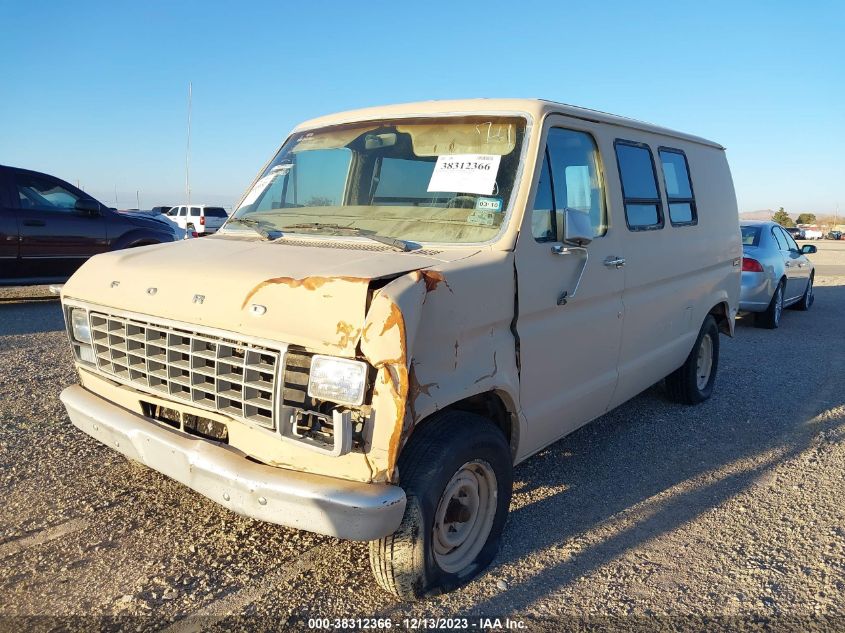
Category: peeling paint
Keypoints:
(415, 388)
(309, 283)
(433, 278)
(348, 333)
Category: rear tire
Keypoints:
(808, 299)
(693, 381)
(457, 474)
(770, 319)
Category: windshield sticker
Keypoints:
(465, 173)
(489, 204)
(484, 218)
(258, 189)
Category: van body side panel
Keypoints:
(464, 345)
(677, 274)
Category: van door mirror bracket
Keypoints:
(560, 249)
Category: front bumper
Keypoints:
(326, 505)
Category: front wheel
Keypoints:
(457, 474)
(693, 381)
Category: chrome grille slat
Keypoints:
(223, 374)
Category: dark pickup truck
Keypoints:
(48, 228)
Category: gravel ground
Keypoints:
(723, 516)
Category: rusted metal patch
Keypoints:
(415, 388)
(309, 283)
(434, 278)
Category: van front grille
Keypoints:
(235, 378)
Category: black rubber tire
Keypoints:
(682, 384)
(808, 299)
(403, 563)
(770, 319)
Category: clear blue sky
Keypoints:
(96, 92)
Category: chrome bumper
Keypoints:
(326, 505)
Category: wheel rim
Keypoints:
(464, 516)
(778, 303)
(704, 363)
(810, 296)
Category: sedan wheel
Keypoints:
(770, 319)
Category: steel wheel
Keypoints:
(704, 362)
(464, 516)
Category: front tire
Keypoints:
(693, 381)
(456, 471)
(770, 319)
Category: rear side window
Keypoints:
(215, 212)
(195, 212)
(750, 235)
(676, 178)
(643, 209)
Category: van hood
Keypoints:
(316, 297)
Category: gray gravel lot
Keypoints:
(654, 516)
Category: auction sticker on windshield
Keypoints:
(465, 173)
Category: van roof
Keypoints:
(537, 108)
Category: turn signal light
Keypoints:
(751, 265)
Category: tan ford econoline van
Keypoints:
(407, 301)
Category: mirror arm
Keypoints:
(560, 249)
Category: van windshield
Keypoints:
(420, 180)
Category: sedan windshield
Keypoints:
(750, 235)
(418, 180)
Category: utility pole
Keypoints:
(115, 197)
(188, 148)
(138, 198)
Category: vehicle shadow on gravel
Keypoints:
(30, 318)
(651, 466)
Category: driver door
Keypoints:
(55, 238)
(569, 343)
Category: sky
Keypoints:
(96, 92)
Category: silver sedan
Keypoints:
(776, 273)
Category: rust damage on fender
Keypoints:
(433, 279)
(348, 334)
(309, 283)
(415, 388)
(384, 343)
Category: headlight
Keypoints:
(337, 380)
(79, 326)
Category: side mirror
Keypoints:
(87, 206)
(808, 249)
(577, 228)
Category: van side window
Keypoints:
(679, 195)
(543, 226)
(576, 176)
(643, 209)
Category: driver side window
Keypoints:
(45, 194)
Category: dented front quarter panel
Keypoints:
(435, 337)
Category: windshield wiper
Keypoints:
(258, 226)
(393, 242)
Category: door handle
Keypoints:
(34, 223)
(614, 261)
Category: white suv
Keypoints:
(198, 219)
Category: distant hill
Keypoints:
(764, 214)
